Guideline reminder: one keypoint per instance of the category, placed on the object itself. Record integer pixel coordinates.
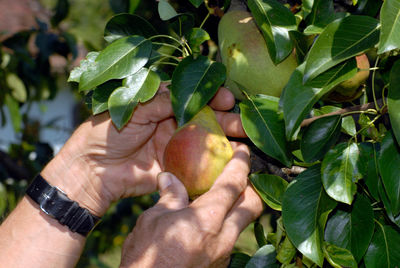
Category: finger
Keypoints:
(155, 110)
(223, 100)
(231, 124)
(228, 186)
(246, 209)
(173, 194)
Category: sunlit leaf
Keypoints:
(118, 60)
(390, 31)
(264, 126)
(86, 64)
(194, 83)
(140, 87)
(339, 257)
(275, 21)
(342, 39)
(305, 209)
(340, 171)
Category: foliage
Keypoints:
(344, 209)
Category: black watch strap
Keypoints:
(55, 203)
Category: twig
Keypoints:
(363, 107)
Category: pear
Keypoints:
(246, 57)
(351, 89)
(198, 152)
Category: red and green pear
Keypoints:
(198, 152)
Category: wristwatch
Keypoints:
(55, 203)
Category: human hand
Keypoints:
(175, 233)
(100, 164)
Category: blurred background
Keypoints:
(40, 42)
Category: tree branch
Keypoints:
(363, 107)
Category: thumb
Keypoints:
(173, 194)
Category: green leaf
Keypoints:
(196, 37)
(182, 25)
(342, 39)
(270, 188)
(196, 3)
(321, 15)
(140, 87)
(165, 10)
(393, 99)
(286, 251)
(259, 234)
(385, 200)
(61, 12)
(123, 25)
(194, 83)
(13, 109)
(339, 257)
(264, 257)
(275, 21)
(118, 60)
(319, 137)
(389, 168)
(348, 124)
(17, 86)
(86, 64)
(390, 31)
(101, 94)
(239, 260)
(264, 126)
(305, 209)
(340, 172)
(297, 99)
(384, 250)
(352, 228)
(369, 157)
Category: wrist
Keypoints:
(73, 172)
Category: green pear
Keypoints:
(246, 57)
(198, 152)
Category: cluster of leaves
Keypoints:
(344, 209)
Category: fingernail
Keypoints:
(164, 180)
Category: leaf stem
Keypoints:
(204, 21)
(169, 45)
(373, 83)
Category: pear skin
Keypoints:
(246, 57)
(198, 152)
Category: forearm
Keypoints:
(30, 238)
